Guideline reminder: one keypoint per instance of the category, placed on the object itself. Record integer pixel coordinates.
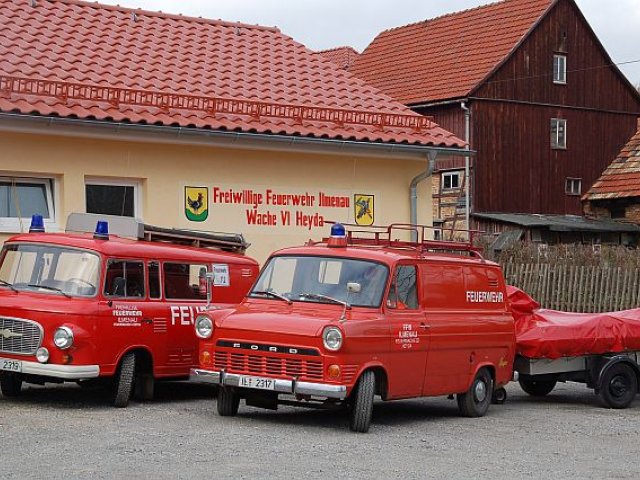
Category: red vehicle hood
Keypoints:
(29, 305)
(300, 319)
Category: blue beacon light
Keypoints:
(102, 231)
(37, 224)
(338, 236)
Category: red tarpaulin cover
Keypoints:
(542, 333)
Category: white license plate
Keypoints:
(258, 383)
(10, 365)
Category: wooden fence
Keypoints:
(577, 289)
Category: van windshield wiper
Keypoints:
(270, 293)
(53, 289)
(10, 285)
(319, 296)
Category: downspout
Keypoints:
(413, 192)
(467, 169)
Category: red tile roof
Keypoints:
(344, 57)
(622, 178)
(116, 64)
(447, 57)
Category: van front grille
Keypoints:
(257, 364)
(21, 337)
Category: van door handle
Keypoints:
(424, 326)
(147, 321)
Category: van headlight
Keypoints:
(63, 338)
(204, 327)
(332, 339)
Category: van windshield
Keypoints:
(322, 280)
(49, 269)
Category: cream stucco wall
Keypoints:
(164, 170)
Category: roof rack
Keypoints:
(134, 228)
(381, 236)
(231, 242)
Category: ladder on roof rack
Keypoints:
(382, 236)
(232, 242)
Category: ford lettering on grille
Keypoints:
(21, 337)
(259, 347)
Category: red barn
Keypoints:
(547, 108)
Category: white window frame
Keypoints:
(15, 224)
(571, 182)
(556, 142)
(118, 182)
(560, 69)
(456, 173)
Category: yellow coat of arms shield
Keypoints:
(364, 206)
(196, 203)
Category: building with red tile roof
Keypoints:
(196, 123)
(616, 194)
(344, 57)
(528, 84)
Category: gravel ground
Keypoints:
(65, 432)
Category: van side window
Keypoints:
(124, 279)
(404, 294)
(185, 281)
(154, 280)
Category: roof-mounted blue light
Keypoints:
(102, 231)
(338, 231)
(37, 224)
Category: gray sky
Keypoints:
(321, 24)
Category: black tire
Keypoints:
(124, 379)
(499, 396)
(228, 402)
(619, 386)
(10, 384)
(536, 388)
(362, 405)
(475, 401)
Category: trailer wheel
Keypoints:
(228, 402)
(536, 388)
(475, 402)
(123, 385)
(619, 386)
(362, 408)
(10, 384)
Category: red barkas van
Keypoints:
(335, 323)
(84, 307)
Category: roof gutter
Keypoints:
(95, 129)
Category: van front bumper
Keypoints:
(281, 386)
(64, 372)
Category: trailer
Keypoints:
(613, 376)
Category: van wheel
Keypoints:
(536, 388)
(362, 409)
(475, 402)
(10, 384)
(228, 402)
(123, 386)
(619, 387)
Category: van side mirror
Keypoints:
(354, 287)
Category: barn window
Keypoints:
(558, 133)
(573, 186)
(450, 180)
(560, 69)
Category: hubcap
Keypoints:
(480, 391)
(618, 386)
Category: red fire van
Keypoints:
(83, 306)
(361, 314)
